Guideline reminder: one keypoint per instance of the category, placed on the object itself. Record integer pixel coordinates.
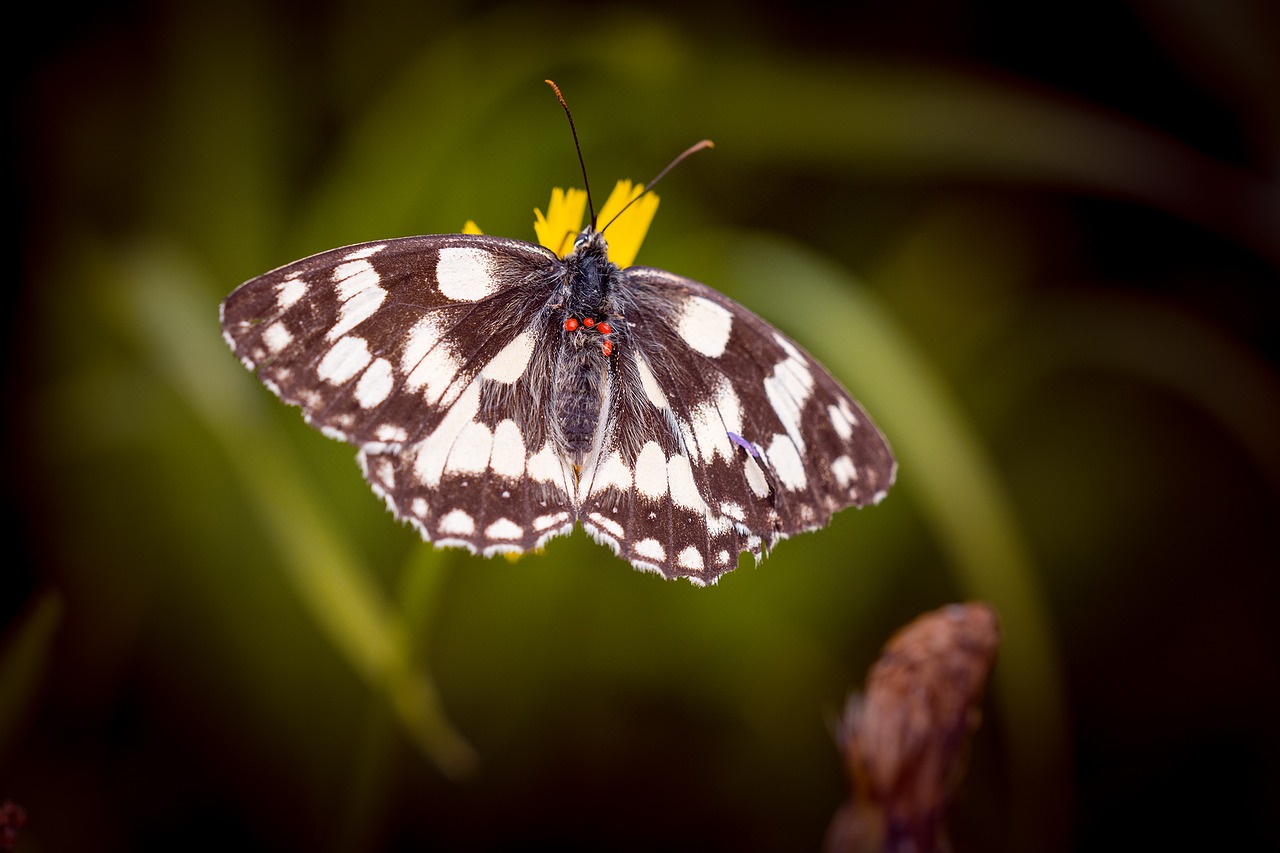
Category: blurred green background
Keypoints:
(1039, 241)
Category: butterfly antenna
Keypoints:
(692, 149)
(581, 162)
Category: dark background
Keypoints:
(1039, 242)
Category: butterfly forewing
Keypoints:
(371, 340)
(456, 365)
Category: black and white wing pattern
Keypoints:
(416, 350)
(500, 395)
(743, 438)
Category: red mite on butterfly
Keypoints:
(571, 325)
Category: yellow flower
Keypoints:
(563, 221)
(627, 233)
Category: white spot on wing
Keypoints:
(427, 362)
(465, 274)
(354, 277)
(434, 449)
(705, 326)
(546, 522)
(424, 335)
(651, 471)
(546, 466)
(344, 360)
(733, 510)
(652, 389)
(364, 252)
(690, 558)
(612, 472)
(508, 450)
(289, 291)
(434, 374)
(614, 528)
(711, 432)
(755, 478)
(390, 432)
(730, 408)
(471, 450)
(357, 309)
(785, 459)
(509, 364)
(375, 385)
(842, 419)
(684, 492)
(718, 525)
(788, 388)
(651, 549)
(504, 528)
(844, 471)
(457, 523)
(276, 336)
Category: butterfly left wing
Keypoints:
(419, 351)
(728, 435)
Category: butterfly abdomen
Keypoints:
(580, 383)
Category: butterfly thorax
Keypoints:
(591, 275)
(587, 339)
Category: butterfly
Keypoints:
(501, 393)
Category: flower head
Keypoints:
(563, 221)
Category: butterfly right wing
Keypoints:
(732, 436)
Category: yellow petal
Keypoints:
(563, 221)
(471, 227)
(627, 233)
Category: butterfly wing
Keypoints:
(733, 436)
(424, 352)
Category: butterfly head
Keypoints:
(589, 242)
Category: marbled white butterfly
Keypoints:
(501, 394)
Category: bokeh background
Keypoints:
(1039, 242)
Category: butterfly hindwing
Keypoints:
(488, 476)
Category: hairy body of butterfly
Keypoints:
(500, 395)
